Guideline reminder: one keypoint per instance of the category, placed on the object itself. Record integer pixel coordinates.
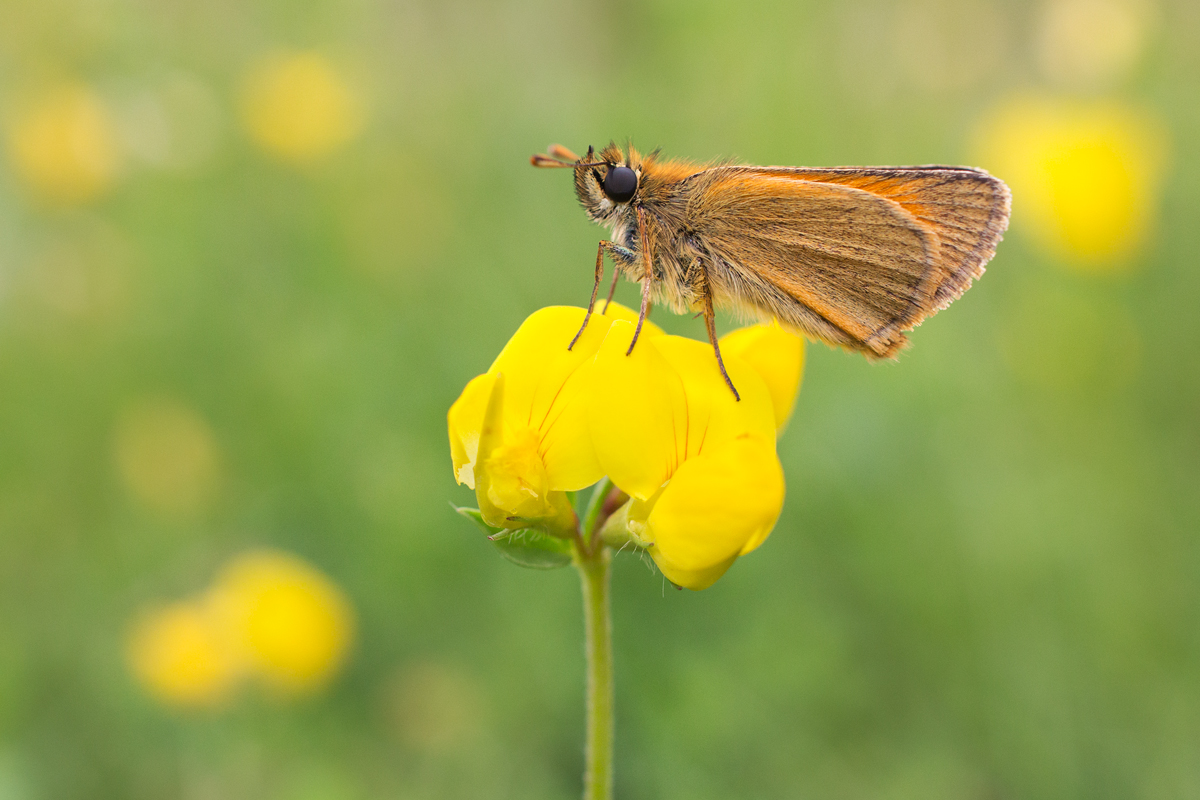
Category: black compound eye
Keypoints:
(619, 184)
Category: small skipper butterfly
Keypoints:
(853, 256)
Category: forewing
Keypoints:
(841, 263)
(966, 208)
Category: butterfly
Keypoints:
(852, 256)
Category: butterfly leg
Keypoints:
(647, 279)
(611, 290)
(711, 324)
(604, 245)
(614, 250)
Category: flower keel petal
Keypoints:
(638, 411)
(465, 421)
(777, 356)
(718, 506)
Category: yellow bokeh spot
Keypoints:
(1086, 176)
(64, 146)
(299, 108)
(167, 457)
(179, 654)
(289, 622)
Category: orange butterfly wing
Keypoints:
(852, 256)
(967, 208)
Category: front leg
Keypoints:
(647, 278)
(613, 249)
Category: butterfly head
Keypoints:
(608, 183)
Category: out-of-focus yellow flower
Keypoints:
(299, 107)
(1087, 175)
(700, 466)
(269, 615)
(167, 457)
(65, 147)
(519, 433)
(777, 355)
(289, 624)
(182, 657)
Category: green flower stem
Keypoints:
(594, 569)
(592, 514)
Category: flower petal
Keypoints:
(515, 478)
(511, 484)
(491, 432)
(718, 506)
(713, 415)
(465, 421)
(777, 355)
(566, 440)
(638, 412)
(537, 361)
(615, 311)
(544, 380)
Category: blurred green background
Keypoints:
(251, 252)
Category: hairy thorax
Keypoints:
(678, 255)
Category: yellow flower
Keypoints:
(181, 656)
(1087, 175)
(777, 355)
(519, 433)
(700, 466)
(65, 146)
(299, 108)
(287, 622)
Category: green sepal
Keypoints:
(532, 548)
(525, 547)
(476, 516)
(627, 526)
